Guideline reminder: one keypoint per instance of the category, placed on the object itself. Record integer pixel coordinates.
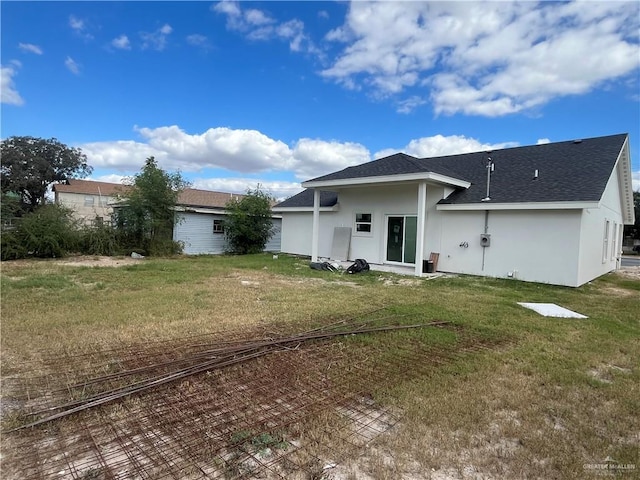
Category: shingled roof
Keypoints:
(569, 171)
(89, 187)
(190, 197)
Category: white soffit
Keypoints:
(551, 310)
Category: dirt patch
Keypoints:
(629, 272)
(98, 261)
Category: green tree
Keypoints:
(30, 165)
(248, 224)
(146, 213)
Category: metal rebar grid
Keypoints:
(280, 415)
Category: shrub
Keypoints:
(48, 232)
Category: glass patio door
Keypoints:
(401, 238)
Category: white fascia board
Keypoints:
(304, 209)
(623, 168)
(519, 206)
(406, 177)
(182, 208)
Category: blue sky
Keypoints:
(233, 94)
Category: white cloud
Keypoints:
(198, 40)
(122, 42)
(79, 26)
(485, 58)
(439, 145)
(72, 65)
(156, 40)
(111, 178)
(542, 141)
(410, 104)
(319, 157)
(279, 190)
(30, 48)
(8, 92)
(258, 25)
(247, 152)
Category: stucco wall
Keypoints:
(534, 245)
(86, 214)
(594, 261)
(296, 233)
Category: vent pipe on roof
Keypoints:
(490, 168)
(535, 174)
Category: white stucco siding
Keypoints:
(537, 246)
(86, 207)
(195, 231)
(380, 203)
(296, 233)
(598, 256)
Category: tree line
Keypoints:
(142, 221)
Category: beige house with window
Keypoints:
(91, 202)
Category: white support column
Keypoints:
(315, 231)
(422, 209)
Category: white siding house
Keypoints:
(198, 214)
(553, 213)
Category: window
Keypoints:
(88, 200)
(614, 241)
(363, 223)
(218, 226)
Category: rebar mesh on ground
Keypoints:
(280, 416)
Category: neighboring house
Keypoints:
(199, 225)
(199, 213)
(550, 213)
(91, 202)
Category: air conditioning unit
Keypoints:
(485, 240)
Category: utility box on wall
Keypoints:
(485, 240)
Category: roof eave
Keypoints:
(334, 208)
(516, 206)
(389, 179)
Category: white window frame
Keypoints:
(217, 222)
(359, 220)
(605, 241)
(614, 241)
(89, 200)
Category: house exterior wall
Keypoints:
(596, 258)
(81, 210)
(195, 231)
(534, 245)
(296, 233)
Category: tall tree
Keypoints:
(248, 224)
(146, 215)
(30, 165)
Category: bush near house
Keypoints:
(248, 224)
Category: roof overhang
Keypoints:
(517, 206)
(626, 184)
(334, 208)
(431, 177)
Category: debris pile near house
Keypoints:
(209, 407)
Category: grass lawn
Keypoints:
(549, 398)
